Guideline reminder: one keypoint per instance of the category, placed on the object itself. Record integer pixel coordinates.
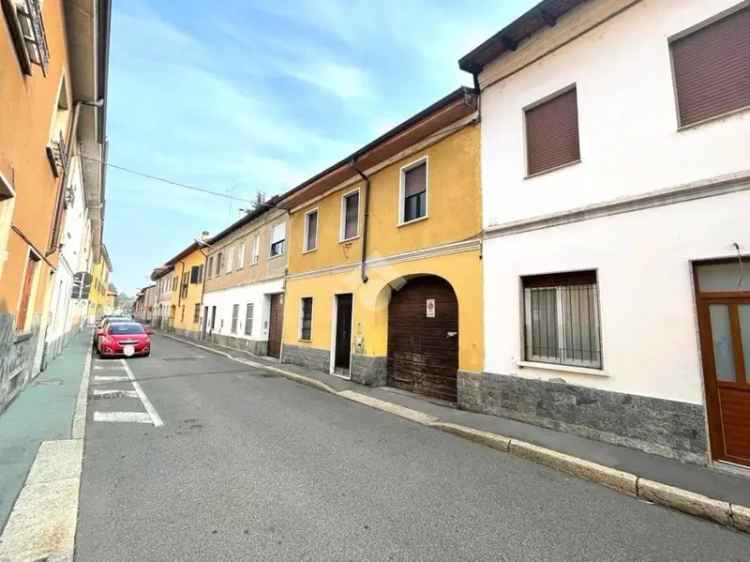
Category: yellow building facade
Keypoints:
(100, 277)
(406, 311)
(185, 300)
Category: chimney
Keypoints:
(204, 236)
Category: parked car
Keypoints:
(103, 321)
(123, 339)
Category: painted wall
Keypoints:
(627, 116)
(454, 208)
(29, 104)
(256, 293)
(370, 333)
(630, 145)
(185, 306)
(244, 271)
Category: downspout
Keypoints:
(363, 263)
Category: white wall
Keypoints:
(627, 118)
(256, 293)
(648, 323)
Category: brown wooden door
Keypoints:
(28, 282)
(725, 343)
(343, 331)
(275, 324)
(423, 338)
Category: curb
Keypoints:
(724, 513)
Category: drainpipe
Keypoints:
(366, 178)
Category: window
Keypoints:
(256, 250)
(230, 258)
(414, 191)
(219, 263)
(311, 230)
(249, 311)
(235, 317)
(350, 216)
(305, 331)
(278, 237)
(174, 283)
(27, 30)
(194, 272)
(711, 70)
(210, 267)
(552, 132)
(197, 313)
(240, 256)
(200, 274)
(561, 319)
(185, 284)
(182, 313)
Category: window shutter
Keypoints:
(552, 133)
(415, 180)
(351, 215)
(256, 249)
(312, 229)
(279, 233)
(194, 274)
(712, 68)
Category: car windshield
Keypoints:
(117, 329)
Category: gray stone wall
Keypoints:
(313, 358)
(663, 427)
(372, 371)
(16, 358)
(252, 346)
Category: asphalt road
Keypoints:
(251, 466)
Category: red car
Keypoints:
(123, 339)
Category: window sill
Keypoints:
(713, 118)
(550, 170)
(407, 223)
(563, 368)
(347, 240)
(302, 340)
(274, 257)
(310, 251)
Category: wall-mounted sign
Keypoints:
(430, 308)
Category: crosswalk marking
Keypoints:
(110, 378)
(115, 394)
(131, 417)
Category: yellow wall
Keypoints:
(99, 287)
(454, 216)
(194, 293)
(463, 271)
(454, 208)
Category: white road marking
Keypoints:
(131, 417)
(107, 368)
(115, 393)
(142, 395)
(105, 378)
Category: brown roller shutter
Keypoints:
(712, 68)
(552, 133)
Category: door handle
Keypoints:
(451, 334)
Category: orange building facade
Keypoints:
(52, 94)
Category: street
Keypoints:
(251, 466)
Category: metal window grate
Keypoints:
(562, 325)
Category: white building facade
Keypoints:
(242, 303)
(616, 210)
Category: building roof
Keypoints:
(544, 14)
(245, 219)
(446, 110)
(161, 271)
(187, 251)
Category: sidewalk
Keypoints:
(43, 411)
(628, 470)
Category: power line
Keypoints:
(166, 180)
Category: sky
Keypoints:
(242, 97)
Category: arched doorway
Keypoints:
(423, 337)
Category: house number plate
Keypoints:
(430, 308)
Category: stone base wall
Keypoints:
(256, 347)
(663, 427)
(16, 358)
(372, 371)
(313, 358)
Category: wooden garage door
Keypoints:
(423, 338)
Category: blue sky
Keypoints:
(240, 96)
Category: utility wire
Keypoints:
(166, 180)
